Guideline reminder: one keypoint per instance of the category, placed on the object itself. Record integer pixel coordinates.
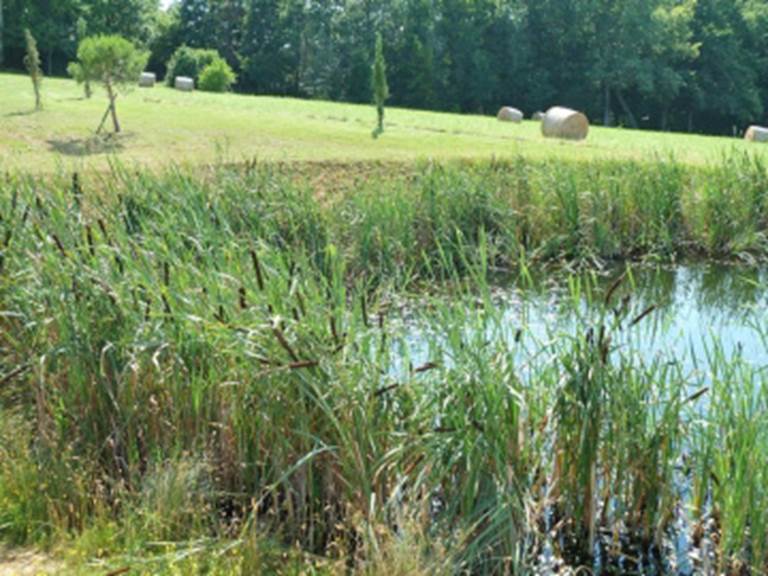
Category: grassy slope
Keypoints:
(163, 125)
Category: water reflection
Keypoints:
(697, 306)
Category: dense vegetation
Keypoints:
(194, 362)
(691, 65)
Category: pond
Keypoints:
(685, 326)
(699, 320)
(691, 310)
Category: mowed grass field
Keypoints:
(161, 126)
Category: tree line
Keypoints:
(694, 65)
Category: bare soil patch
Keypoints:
(25, 562)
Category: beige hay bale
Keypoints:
(756, 134)
(564, 123)
(184, 84)
(538, 116)
(147, 80)
(509, 114)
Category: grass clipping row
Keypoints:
(564, 123)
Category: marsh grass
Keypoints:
(193, 361)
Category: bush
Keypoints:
(190, 62)
(217, 77)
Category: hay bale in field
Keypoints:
(147, 79)
(509, 114)
(756, 134)
(564, 123)
(184, 84)
(538, 116)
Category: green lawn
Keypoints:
(162, 125)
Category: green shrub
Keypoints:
(190, 62)
(217, 77)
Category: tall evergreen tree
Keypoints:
(32, 62)
(412, 72)
(265, 52)
(195, 23)
(380, 87)
(724, 80)
(227, 19)
(319, 56)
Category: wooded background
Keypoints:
(689, 65)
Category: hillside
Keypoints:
(162, 126)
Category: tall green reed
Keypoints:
(231, 339)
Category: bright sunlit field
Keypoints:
(163, 126)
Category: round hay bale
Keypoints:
(184, 84)
(564, 123)
(147, 79)
(756, 134)
(509, 114)
(538, 116)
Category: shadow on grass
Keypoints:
(20, 113)
(97, 144)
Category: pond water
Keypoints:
(696, 308)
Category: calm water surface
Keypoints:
(698, 307)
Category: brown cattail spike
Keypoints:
(257, 270)
(243, 299)
(77, 190)
(284, 342)
(59, 245)
(89, 238)
(364, 309)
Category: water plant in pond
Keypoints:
(730, 459)
(232, 344)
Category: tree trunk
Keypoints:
(607, 113)
(665, 118)
(38, 99)
(112, 108)
(627, 109)
(115, 122)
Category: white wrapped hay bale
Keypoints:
(538, 116)
(509, 114)
(184, 83)
(756, 134)
(564, 123)
(147, 79)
